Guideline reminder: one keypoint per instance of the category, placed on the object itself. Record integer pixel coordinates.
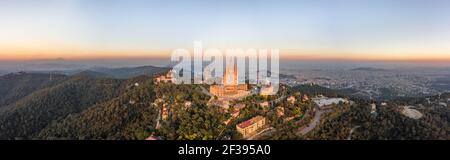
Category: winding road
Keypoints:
(351, 132)
(313, 123)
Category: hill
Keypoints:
(30, 114)
(31, 101)
(388, 123)
(128, 116)
(314, 89)
(129, 72)
(15, 86)
(117, 73)
(92, 74)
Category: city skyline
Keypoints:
(369, 30)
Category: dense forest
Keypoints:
(197, 122)
(314, 89)
(388, 123)
(15, 86)
(128, 116)
(30, 114)
(357, 122)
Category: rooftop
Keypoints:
(153, 138)
(323, 101)
(249, 122)
(411, 113)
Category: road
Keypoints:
(351, 132)
(205, 91)
(313, 123)
(263, 132)
(158, 119)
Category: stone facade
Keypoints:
(251, 126)
(231, 88)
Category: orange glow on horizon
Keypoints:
(18, 55)
(72, 54)
(381, 56)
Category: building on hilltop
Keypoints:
(305, 98)
(152, 138)
(280, 111)
(373, 108)
(165, 112)
(325, 102)
(291, 99)
(187, 105)
(168, 78)
(265, 105)
(230, 87)
(267, 90)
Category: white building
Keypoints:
(373, 108)
(264, 105)
(323, 101)
(267, 90)
(291, 99)
(411, 113)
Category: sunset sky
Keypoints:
(415, 30)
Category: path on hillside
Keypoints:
(205, 91)
(351, 132)
(313, 123)
(158, 119)
(265, 131)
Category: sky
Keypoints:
(410, 30)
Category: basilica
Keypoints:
(230, 87)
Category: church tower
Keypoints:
(235, 74)
(230, 76)
(231, 87)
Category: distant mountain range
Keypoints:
(124, 73)
(3, 73)
(118, 73)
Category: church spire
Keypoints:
(235, 78)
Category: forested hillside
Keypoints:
(30, 114)
(104, 104)
(18, 85)
(388, 123)
(125, 73)
(128, 116)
